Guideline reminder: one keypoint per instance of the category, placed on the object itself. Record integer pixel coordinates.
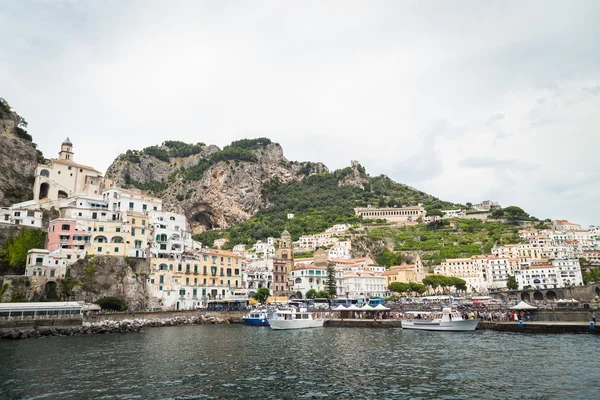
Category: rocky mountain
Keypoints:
(250, 179)
(214, 188)
(18, 157)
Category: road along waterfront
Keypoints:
(235, 361)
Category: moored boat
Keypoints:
(257, 318)
(295, 319)
(445, 320)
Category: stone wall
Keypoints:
(234, 316)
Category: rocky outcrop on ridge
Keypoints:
(227, 193)
(18, 158)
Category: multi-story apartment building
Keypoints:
(52, 265)
(21, 216)
(305, 278)
(67, 234)
(169, 234)
(363, 284)
(550, 275)
(187, 282)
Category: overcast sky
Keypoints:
(465, 100)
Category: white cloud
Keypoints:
(465, 101)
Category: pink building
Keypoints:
(63, 233)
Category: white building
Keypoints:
(558, 274)
(453, 213)
(258, 274)
(169, 234)
(128, 200)
(21, 216)
(306, 277)
(365, 284)
(41, 262)
(263, 250)
(62, 178)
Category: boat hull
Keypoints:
(296, 324)
(451, 326)
(256, 321)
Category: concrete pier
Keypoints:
(539, 327)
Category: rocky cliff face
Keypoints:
(226, 193)
(18, 158)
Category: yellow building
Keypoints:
(106, 238)
(207, 274)
(401, 273)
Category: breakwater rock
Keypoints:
(104, 327)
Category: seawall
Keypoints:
(539, 327)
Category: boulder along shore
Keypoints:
(108, 326)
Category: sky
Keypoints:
(468, 100)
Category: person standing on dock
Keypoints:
(594, 317)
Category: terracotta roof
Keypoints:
(406, 266)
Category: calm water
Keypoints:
(234, 361)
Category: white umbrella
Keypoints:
(340, 308)
(367, 307)
(381, 307)
(523, 306)
(353, 308)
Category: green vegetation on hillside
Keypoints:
(240, 150)
(169, 149)
(14, 254)
(512, 213)
(448, 238)
(317, 203)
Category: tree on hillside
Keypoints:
(311, 294)
(511, 283)
(261, 295)
(469, 205)
(512, 213)
(330, 282)
(435, 213)
(323, 294)
(14, 253)
(387, 258)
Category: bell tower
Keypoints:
(285, 250)
(66, 150)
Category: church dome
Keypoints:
(67, 142)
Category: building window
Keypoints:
(132, 231)
(118, 229)
(65, 227)
(131, 206)
(99, 249)
(101, 228)
(116, 249)
(144, 207)
(94, 215)
(133, 221)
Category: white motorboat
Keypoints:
(445, 320)
(294, 319)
